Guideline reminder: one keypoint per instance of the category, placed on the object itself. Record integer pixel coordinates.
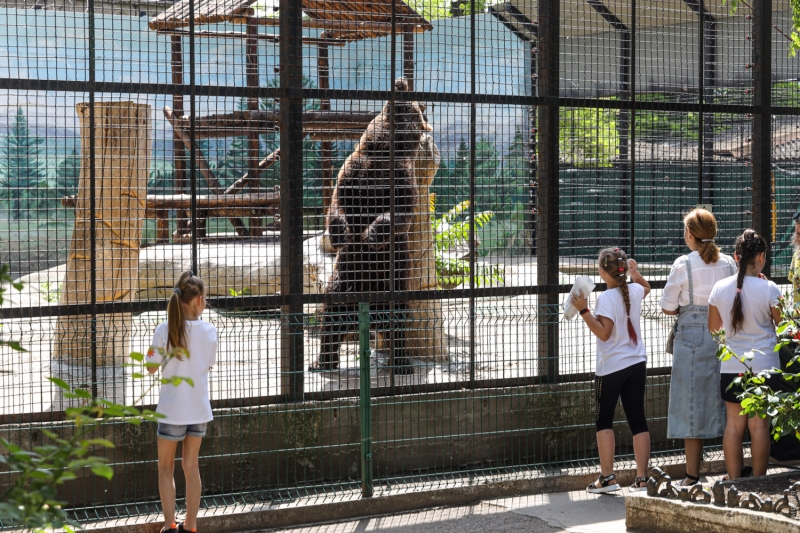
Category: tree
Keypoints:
(68, 172)
(588, 137)
(794, 37)
(233, 165)
(22, 166)
(439, 9)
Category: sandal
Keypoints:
(692, 480)
(182, 529)
(171, 529)
(605, 484)
(637, 484)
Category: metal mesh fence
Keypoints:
(143, 139)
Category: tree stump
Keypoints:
(122, 163)
(425, 327)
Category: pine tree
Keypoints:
(22, 166)
(233, 165)
(68, 173)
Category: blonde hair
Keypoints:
(703, 227)
(615, 263)
(186, 289)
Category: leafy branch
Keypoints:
(451, 231)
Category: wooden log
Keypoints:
(157, 203)
(425, 334)
(122, 138)
(326, 147)
(264, 164)
(251, 75)
(242, 123)
(202, 164)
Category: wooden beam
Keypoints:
(335, 26)
(202, 164)
(156, 203)
(264, 164)
(241, 123)
(251, 79)
(179, 158)
(272, 38)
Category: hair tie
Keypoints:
(706, 240)
(622, 269)
(177, 291)
(616, 249)
(738, 290)
(191, 274)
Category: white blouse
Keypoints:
(704, 276)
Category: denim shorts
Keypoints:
(178, 433)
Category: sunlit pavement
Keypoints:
(574, 512)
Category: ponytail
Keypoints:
(748, 246)
(187, 289)
(615, 262)
(703, 227)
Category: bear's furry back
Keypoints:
(359, 224)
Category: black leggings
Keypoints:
(627, 384)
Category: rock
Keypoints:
(223, 266)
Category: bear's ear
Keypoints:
(401, 84)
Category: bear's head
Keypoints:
(410, 123)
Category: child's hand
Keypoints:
(632, 266)
(579, 301)
(762, 276)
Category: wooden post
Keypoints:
(122, 162)
(252, 105)
(177, 141)
(408, 55)
(425, 334)
(326, 147)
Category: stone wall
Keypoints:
(317, 443)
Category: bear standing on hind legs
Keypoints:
(360, 225)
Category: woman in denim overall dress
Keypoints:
(696, 411)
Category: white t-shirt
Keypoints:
(704, 276)
(618, 352)
(184, 404)
(758, 330)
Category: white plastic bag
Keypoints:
(583, 285)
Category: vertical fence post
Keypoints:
(548, 193)
(365, 409)
(291, 137)
(762, 123)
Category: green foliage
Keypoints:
(22, 168)
(31, 501)
(795, 35)
(758, 398)
(588, 137)
(451, 232)
(5, 280)
(439, 9)
(51, 292)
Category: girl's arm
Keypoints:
(637, 278)
(776, 315)
(714, 319)
(602, 326)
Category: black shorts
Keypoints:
(628, 385)
(730, 395)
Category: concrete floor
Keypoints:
(561, 512)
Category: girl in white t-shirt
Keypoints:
(745, 306)
(621, 369)
(187, 409)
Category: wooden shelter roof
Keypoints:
(339, 19)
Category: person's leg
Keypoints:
(606, 395)
(759, 444)
(732, 439)
(166, 479)
(694, 455)
(191, 469)
(632, 394)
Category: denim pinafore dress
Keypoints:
(696, 410)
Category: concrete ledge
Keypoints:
(660, 515)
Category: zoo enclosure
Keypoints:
(632, 115)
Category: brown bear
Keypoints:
(360, 226)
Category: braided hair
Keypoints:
(186, 289)
(703, 227)
(615, 263)
(748, 246)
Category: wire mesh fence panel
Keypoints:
(454, 167)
